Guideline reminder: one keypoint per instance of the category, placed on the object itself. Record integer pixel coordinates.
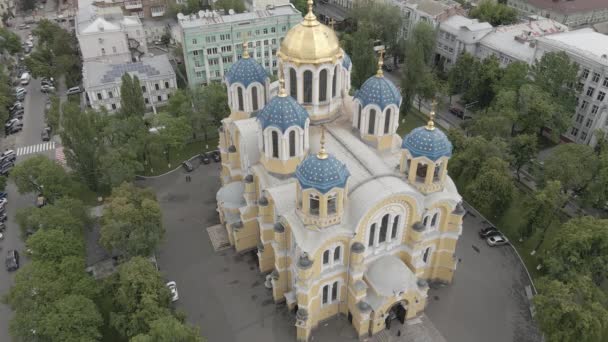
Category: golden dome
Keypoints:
(310, 42)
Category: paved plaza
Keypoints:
(223, 293)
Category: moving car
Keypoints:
(12, 260)
(497, 240)
(187, 166)
(172, 286)
(73, 91)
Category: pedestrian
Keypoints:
(187, 179)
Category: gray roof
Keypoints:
(100, 73)
(203, 18)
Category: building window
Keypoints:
(308, 86)
(194, 41)
(583, 135)
(334, 82)
(292, 143)
(166, 85)
(371, 122)
(143, 89)
(265, 31)
(114, 49)
(110, 95)
(425, 256)
(588, 123)
(325, 294)
(585, 73)
(383, 228)
(601, 95)
(595, 78)
(273, 30)
(323, 85)
(332, 201)
(113, 106)
(195, 52)
(590, 91)
(372, 235)
(359, 117)
(293, 83)
(254, 98)
(334, 292)
(574, 131)
(395, 226)
(239, 95)
(337, 254)
(605, 83)
(103, 51)
(156, 86)
(160, 98)
(387, 120)
(314, 204)
(579, 118)
(434, 220)
(146, 100)
(326, 257)
(275, 144)
(99, 96)
(584, 105)
(197, 64)
(594, 109)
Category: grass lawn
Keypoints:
(158, 163)
(412, 120)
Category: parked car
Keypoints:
(487, 232)
(25, 78)
(172, 286)
(187, 166)
(6, 168)
(73, 91)
(204, 158)
(497, 240)
(216, 156)
(20, 97)
(20, 90)
(3, 195)
(45, 135)
(2, 226)
(47, 81)
(18, 127)
(8, 154)
(12, 260)
(3, 201)
(15, 106)
(10, 122)
(46, 88)
(3, 217)
(23, 26)
(457, 111)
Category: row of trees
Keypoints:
(54, 299)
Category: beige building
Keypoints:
(346, 216)
(568, 12)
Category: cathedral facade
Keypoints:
(346, 216)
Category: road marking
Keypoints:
(35, 148)
(60, 156)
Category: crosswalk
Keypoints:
(36, 148)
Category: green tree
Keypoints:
(118, 165)
(513, 77)
(74, 318)
(11, 43)
(300, 5)
(469, 159)
(140, 298)
(495, 13)
(462, 74)
(522, 149)
(596, 193)
(541, 210)
(131, 222)
(492, 189)
(571, 312)
(42, 175)
(482, 85)
(54, 245)
(180, 104)
(211, 106)
(173, 132)
(382, 21)
(237, 5)
(536, 109)
(169, 329)
(360, 47)
(574, 165)
(131, 97)
(28, 5)
(53, 115)
(67, 214)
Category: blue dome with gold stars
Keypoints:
(283, 112)
(346, 62)
(322, 172)
(380, 91)
(246, 71)
(429, 142)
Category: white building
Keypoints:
(568, 12)
(517, 42)
(104, 34)
(256, 5)
(102, 81)
(431, 11)
(457, 35)
(589, 49)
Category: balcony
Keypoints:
(133, 5)
(158, 11)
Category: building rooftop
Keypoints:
(514, 40)
(95, 19)
(203, 18)
(98, 73)
(569, 6)
(585, 42)
(469, 30)
(431, 7)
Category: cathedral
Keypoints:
(346, 216)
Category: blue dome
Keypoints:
(282, 112)
(322, 174)
(346, 63)
(379, 91)
(246, 71)
(432, 144)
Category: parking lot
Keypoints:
(223, 293)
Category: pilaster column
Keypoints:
(430, 171)
(315, 88)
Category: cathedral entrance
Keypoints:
(397, 312)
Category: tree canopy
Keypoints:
(169, 329)
(131, 97)
(494, 13)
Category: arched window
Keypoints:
(239, 93)
(434, 220)
(425, 256)
(421, 171)
(436, 172)
(334, 292)
(359, 117)
(314, 204)
(323, 85)
(326, 257)
(372, 235)
(337, 253)
(307, 86)
(293, 83)
(387, 121)
(383, 228)
(334, 82)
(395, 226)
(254, 98)
(325, 294)
(292, 143)
(275, 144)
(332, 200)
(371, 125)
(425, 221)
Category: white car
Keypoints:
(3, 201)
(172, 286)
(497, 240)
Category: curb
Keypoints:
(138, 177)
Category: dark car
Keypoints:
(204, 158)
(12, 260)
(3, 217)
(3, 195)
(6, 168)
(187, 166)
(14, 129)
(216, 156)
(8, 154)
(2, 227)
(46, 134)
(457, 111)
(487, 232)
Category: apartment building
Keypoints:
(213, 42)
(146, 8)
(431, 11)
(568, 12)
(457, 35)
(102, 82)
(588, 49)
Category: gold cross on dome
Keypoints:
(332, 22)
